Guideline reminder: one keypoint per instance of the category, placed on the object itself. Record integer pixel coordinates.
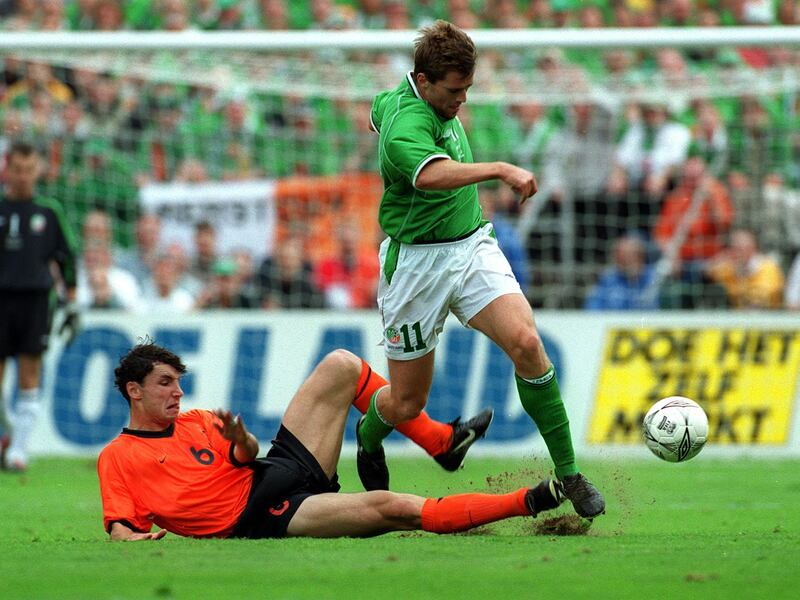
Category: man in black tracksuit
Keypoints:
(34, 235)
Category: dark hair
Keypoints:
(442, 47)
(139, 362)
(22, 149)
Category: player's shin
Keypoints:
(432, 436)
(464, 511)
(541, 399)
(373, 427)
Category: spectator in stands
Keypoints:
(371, 14)
(540, 13)
(205, 14)
(629, 283)
(622, 14)
(396, 13)
(529, 128)
(273, 15)
(139, 259)
(41, 117)
(80, 15)
(182, 263)
(105, 108)
(162, 292)
(25, 17)
(240, 141)
(590, 16)
(108, 16)
(792, 291)
(231, 15)
(696, 215)
(285, 280)
(101, 284)
(349, 278)
(752, 279)
(652, 149)
(225, 290)
(52, 16)
(38, 76)
(579, 159)
(710, 137)
(192, 170)
(245, 274)
(97, 229)
(326, 14)
(788, 12)
(10, 132)
(174, 15)
(564, 12)
(464, 18)
(205, 252)
(503, 14)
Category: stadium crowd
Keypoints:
(675, 204)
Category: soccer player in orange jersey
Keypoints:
(196, 473)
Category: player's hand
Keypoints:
(523, 182)
(232, 427)
(71, 324)
(136, 537)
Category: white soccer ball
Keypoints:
(675, 429)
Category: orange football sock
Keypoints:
(464, 511)
(434, 437)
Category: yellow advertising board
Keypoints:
(745, 379)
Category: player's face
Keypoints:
(446, 95)
(159, 395)
(22, 173)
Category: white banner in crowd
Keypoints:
(242, 212)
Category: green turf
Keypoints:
(708, 528)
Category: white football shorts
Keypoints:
(430, 281)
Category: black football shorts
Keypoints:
(281, 482)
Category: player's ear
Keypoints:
(134, 390)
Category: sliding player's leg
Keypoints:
(317, 413)
(508, 321)
(376, 512)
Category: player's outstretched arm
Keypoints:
(245, 443)
(447, 174)
(120, 532)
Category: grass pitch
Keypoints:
(707, 528)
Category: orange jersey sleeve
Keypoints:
(183, 479)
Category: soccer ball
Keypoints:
(675, 429)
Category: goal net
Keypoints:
(650, 148)
(606, 119)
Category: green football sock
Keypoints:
(373, 428)
(541, 399)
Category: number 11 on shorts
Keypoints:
(407, 347)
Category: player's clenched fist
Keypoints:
(522, 181)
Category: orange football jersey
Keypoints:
(183, 479)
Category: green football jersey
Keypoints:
(412, 134)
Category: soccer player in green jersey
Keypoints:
(441, 256)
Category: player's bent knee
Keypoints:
(342, 364)
(528, 350)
